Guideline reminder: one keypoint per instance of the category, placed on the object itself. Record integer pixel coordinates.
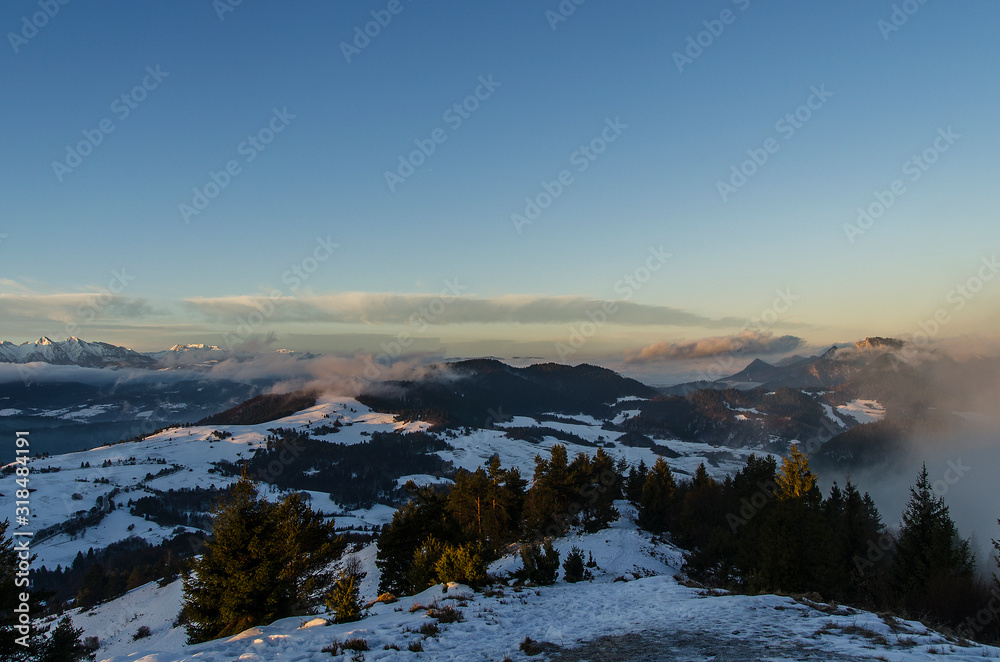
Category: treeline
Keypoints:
(354, 475)
(769, 529)
(766, 529)
(709, 415)
(106, 574)
(451, 534)
(184, 507)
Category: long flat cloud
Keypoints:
(745, 342)
(429, 309)
(73, 307)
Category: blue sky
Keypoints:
(656, 187)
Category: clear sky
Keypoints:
(111, 240)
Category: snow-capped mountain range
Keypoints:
(73, 352)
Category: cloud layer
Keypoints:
(447, 308)
(745, 342)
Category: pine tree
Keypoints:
(93, 587)
(795, 480)
(656, 505)
(463, 564)
(636, 479)
(344, 599)
(854, 523)
(792, 546)
(423, 568)
(65, 645)
(422, 517)
(700, 510)
(263, 562)
(541, 563)
(599, 491)
(574, 569)
(551, 494)
(507, 492)
(929, 547)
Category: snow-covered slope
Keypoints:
(634, 609)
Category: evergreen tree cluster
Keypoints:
(104, 575)
(451, 534)
(63, 644)
(769, 529)
(264, 561)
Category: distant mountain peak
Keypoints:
(191, 346)
(72, 351)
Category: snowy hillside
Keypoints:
(73, 484)
(634, 609)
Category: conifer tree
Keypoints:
(64, 645)
(344, 599)
(700, 510)
(855, 524)
(463, 564)
(656, 505)
(485, 504)
(541, 563)
(929, 547)
(423, 568)
(550, 496)
(423, 516)
(793, 554)
(507, 491)
(599, 492)
(795, 480)
(636, 479)
(263, 562)
(574, 568)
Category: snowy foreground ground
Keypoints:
(644, 615)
